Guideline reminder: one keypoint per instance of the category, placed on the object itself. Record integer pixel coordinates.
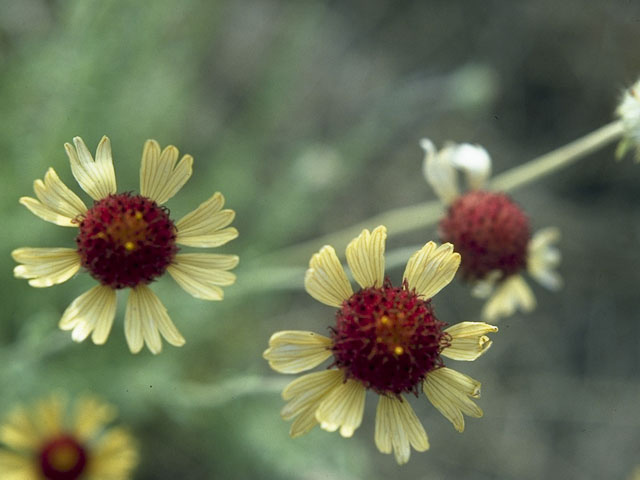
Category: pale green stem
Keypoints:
(412, 218)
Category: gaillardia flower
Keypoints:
(386, 339)
(490, 231)
(54, 444)
(629, 112)
(127, 241)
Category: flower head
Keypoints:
(629, 112)
(386, 339)
(490, 231)
(52, 443)
(127, 241)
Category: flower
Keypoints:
(53, 443)
(629, 112)
(386, 339)
(490, 231)
(127, 241)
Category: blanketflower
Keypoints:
(51, 443)
(386, 339)
(490, 231)
(127, 241)
(629, 112)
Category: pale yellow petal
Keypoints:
(325, 279)
(431, 268)
(510, 295)
(49, 415)
(115, 456)
(19, 431)
(212, 261)
(146, 319)
(543, 258)
(97, 178)
(468, 340)
(365, 257)
(439, 172)
(160, 177)
(451, 392)
(474, 161)
(342, 408)
(92, 311)
(46, 266)
(205, 226)
(294, 351)
(17, 466)
(201, 279)
(304, 395)
(90, 417)
(56, 203)
(398, 429)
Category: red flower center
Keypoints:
(126, 240)
(62, 458)
(490, 232)
(388, 338)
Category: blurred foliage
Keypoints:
(307, 116)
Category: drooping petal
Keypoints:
(197, 273)
(342, 408)
(473, 161)
(90, 416)
(431, 268)
(114, 456)
(97, 178)
(451, 392)
(468, 340)
(304, 395)
(510, 295)
(92, 311)
(146, 319)
(46, 266)
(294, 351)
(160, 177)
(204, 227)
(543, 257)
(398, 429)
(325, 279)
(56, 203)
(439, 172)
(365, 257)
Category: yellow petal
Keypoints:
(97, 178)
(92, 311)
(398, 429)
(205, 226)
(468, 340)
(431, 268)
(325, 279)
(512, 294)
(543, 258)
(365, 257)
(342, 408)
(449, 391)
(146, 319)
(200, 279)
(16, 466)
(46, 266)
(90, 417)
(160, 177)
(294, 351)
(114, 456)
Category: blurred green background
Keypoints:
(307, 116)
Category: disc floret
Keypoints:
(388, 338)
(62, 458)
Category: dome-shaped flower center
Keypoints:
(490, 232)
(62, 458)
(388, 338)
(126, 240)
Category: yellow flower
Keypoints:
(386, 339)
(490, 231)
(51, 443)
(127, 241)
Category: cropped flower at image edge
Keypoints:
(386, 339)
(47, 442)
(127, 241)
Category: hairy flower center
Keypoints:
(388, 338)
(490, 232)
(126, 240)
(62, 458)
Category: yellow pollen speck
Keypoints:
(384, 320)
(130, 246)
(139, 215)
(398, 350)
